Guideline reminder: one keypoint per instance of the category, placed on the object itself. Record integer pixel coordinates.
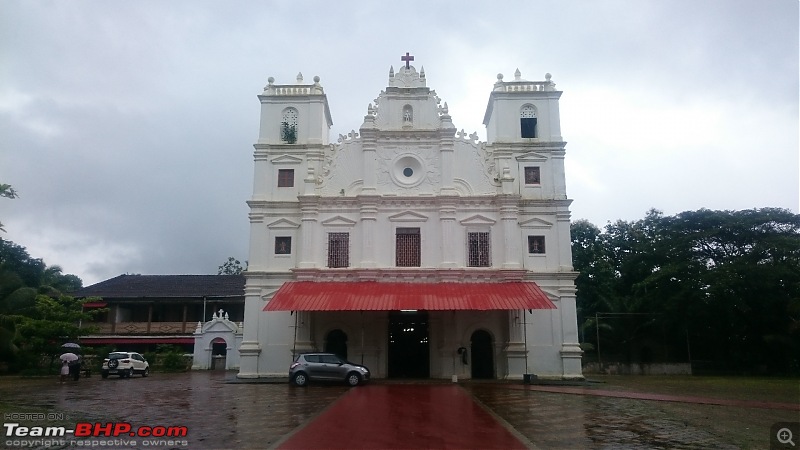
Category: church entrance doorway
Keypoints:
(219, 354)
(482, 355)
(409, 354)
(336, 343)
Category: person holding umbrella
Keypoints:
(67, 361)
(64, 370)
(72, 360)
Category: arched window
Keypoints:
(527, 121)
(289, 126)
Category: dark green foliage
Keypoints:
(288, 133)
(36, 316)
(723, 285)
(231, 267)
(169, 358)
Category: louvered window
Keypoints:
(478, 251)
(407, 249)
(338, 249)
(285, 177)
(527, 121)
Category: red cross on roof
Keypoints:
(408, 58)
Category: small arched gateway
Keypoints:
(219, 352)
(213, 339)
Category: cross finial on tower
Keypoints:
(408, 58)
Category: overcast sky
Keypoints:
(127, 128)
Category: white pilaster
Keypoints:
(369, 216)
(509, 215)
(310, 210)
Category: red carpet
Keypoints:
(404, 416)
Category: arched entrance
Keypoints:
(409, 354)
(219, 353)
(482, 351)
(336, 343)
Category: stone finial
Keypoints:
(226, 316)
(316, 79)
(391, 71)
(299, 77)
(270, 82)
(422, 72)
(517, 75)
(550, 85)
(499, 77)
(370, 110)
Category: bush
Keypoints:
(169, 358)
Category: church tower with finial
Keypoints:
(409, 246)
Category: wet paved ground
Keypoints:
(238, 415)
(408, 416)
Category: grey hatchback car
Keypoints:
(326, 366)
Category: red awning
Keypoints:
(138, 340)
(377, 296)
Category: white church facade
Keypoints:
(409, 246)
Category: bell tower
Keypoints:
(293, 135)
(523, 129)
(523, 111)
(294, 113)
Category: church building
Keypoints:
(409, 246)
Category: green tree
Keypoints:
(728, 281)
(8, 192)
(36, 315)
(595, 279)
(231, 267)
(743, 268)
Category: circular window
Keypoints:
(407, 170)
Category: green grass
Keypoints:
(766, 389)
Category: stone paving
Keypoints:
(220, 414)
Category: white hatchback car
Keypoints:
(125, 364)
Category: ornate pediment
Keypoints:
(286, 159)
(408, 216)
(477, 219)
(338, 221)
(535, 223)
(531, 157)
(220, 326)
(283, 224)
